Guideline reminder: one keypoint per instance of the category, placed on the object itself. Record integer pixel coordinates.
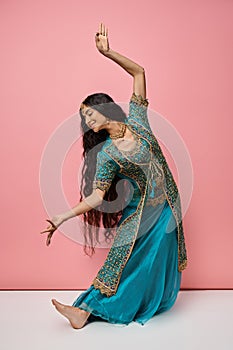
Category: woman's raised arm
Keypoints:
(134, 69)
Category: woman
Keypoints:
(141, 275)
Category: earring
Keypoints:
(108, 120)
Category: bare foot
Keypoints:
(77, 317)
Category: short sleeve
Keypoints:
(138, 107)
(106, 169)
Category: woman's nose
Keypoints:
(87, 119)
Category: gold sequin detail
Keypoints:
(108, 277)
(139, 100)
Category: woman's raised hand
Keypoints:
(54, 223)
(101, 39)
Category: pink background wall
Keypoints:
(49, 63)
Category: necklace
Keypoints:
(121, 133)
(137, 148)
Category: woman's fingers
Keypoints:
(47, 240)
(51, 223)
(102, 29)
(51, 227)
(49, 230)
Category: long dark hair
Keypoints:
(93, 141)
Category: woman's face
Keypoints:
(94, 120)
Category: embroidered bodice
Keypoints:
(140, 154)
(147, 170)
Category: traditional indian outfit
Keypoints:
(141, 275)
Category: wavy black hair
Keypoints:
(93, 141)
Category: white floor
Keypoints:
(198, 320)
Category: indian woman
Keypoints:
(141, 275)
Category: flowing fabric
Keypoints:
(141, 277)
(150, 281)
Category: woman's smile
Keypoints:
(123, 156)
(91, 124)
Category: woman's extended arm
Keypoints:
(134, 69)
(85, 205)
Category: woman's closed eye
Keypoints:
(88, 115)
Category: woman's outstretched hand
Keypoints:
(54, 223)
(101, 39)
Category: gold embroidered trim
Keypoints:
(131, 153)
(102, 185)
(102, 288)
(141, 101)
(183, 265)
(136, 149)
(111, 283)
(96, 282)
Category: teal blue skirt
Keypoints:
(150, 280)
